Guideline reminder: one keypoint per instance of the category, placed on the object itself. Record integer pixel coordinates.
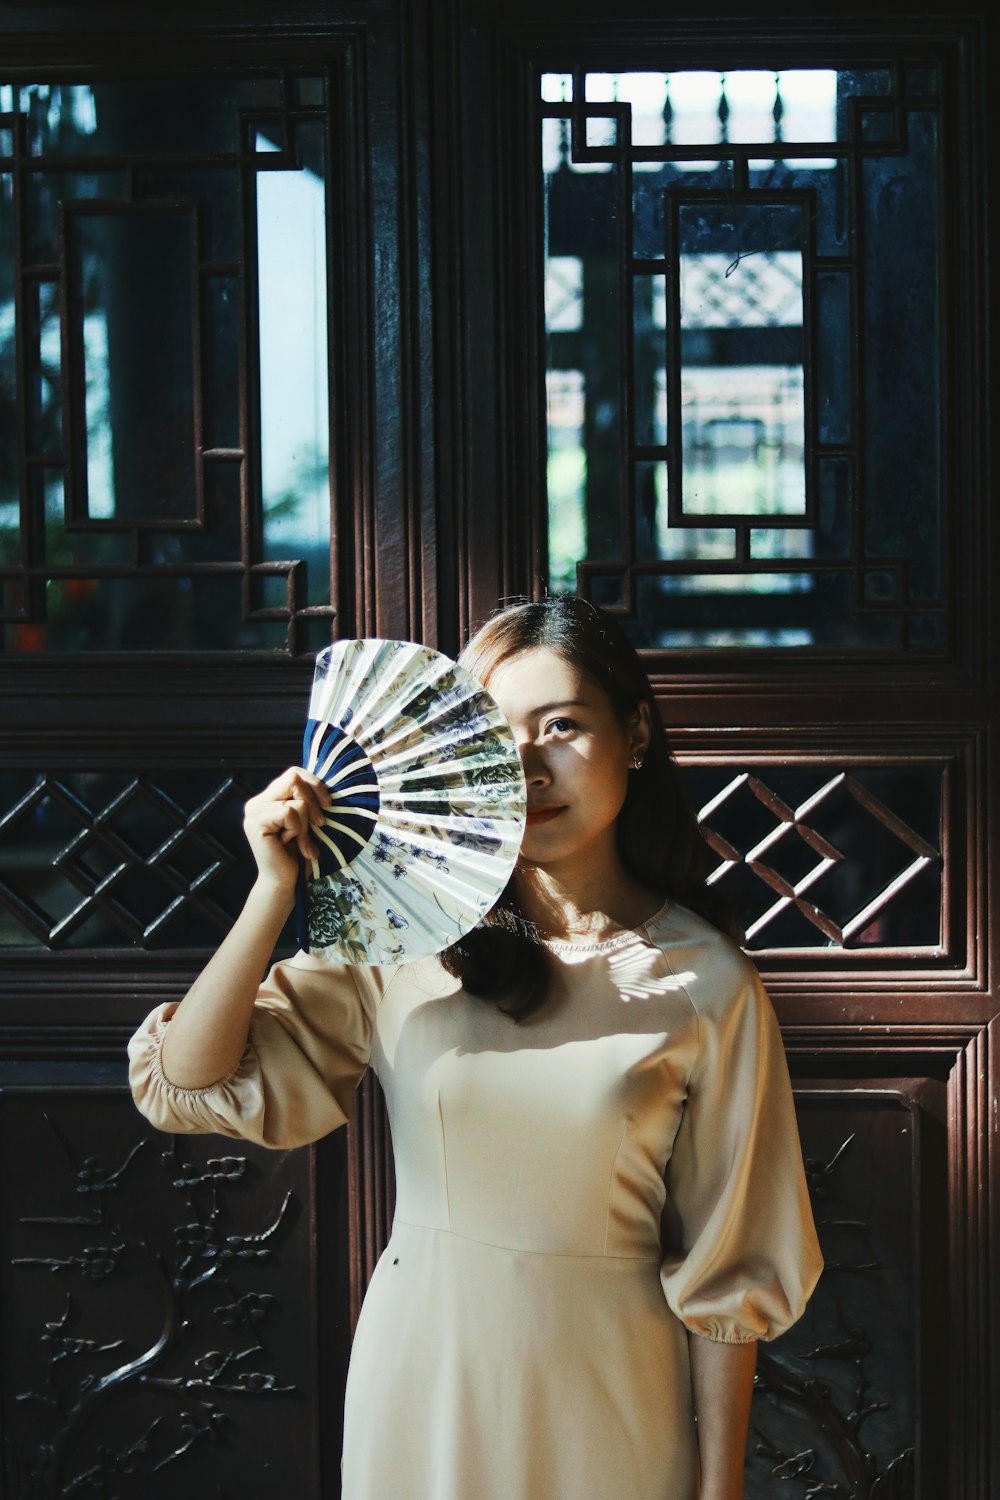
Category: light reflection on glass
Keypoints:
(100, 462)
(743, 420)
(564, 293)
(706, 107)
(566, 476)
(291, 238)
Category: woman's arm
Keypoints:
(722, 1381)
(208, 1031)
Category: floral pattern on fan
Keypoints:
(428, 803)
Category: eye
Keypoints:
(562, 726)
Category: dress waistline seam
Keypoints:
(469, 1239)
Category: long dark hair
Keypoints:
(502, 959)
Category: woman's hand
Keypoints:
(278, 823)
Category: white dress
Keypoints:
(575, 1193)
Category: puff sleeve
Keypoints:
(741, 1252)
(310, 1042)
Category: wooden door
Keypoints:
(210, 463)
(724, 347)
(503, 368)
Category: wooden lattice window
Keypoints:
(743, 352)
(164, 404)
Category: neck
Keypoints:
(583, 904)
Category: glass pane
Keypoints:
(902, 396)
(221, 363)
(566, 476)
(131, 282)
(922, 81)
(217, 194)
(741, 360)
(587, 502)
(706, 108)
(294, 402)
(834, 386)
(651, 202)
(656, 538)
(43, 328)
(160, 115)
(8, 376)
(649, 373)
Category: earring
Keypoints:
(636, 763)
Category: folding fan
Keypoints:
(428, 803)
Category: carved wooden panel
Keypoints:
(160, 1305)
(841, 1400)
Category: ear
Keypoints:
(639, 731)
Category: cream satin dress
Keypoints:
(576, 1193)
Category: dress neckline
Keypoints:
(627, 935)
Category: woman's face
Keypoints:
(576, 752)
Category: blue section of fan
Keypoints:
(349, 774)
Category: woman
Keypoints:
(600, 1200)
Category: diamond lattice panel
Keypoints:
(111, 861)
(827, 858)
(805, 857)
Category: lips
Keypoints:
(537, 815)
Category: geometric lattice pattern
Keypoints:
(838, 860)
(739, 251)
(164, 463)
(123, 860)
(807, 856)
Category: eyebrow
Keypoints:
(548, 708)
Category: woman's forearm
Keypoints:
(722, 1382)
(208, 1031)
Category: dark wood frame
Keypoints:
(438, 429)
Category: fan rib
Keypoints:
(318, 832)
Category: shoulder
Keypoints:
(422, 978)
(418, 981)
(305, 975)
(717, 975)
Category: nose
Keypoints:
(536, 771)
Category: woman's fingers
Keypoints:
(285, 813)
(295, 785)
